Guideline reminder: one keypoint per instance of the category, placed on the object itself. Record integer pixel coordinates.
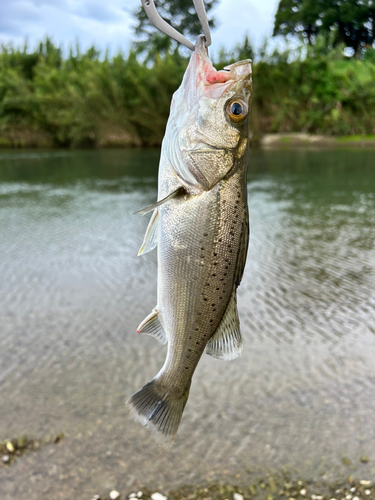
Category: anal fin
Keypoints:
(226, 342)
(150, 239)
(151, 326)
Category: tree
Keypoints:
(295, 17)
(180, 14)
(349, 22)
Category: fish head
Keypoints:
(208, 128)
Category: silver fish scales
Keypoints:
(200, 226)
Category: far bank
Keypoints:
(87, 100)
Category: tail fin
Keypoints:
(159, 411)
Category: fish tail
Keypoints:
(159, 410)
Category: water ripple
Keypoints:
(72, 292)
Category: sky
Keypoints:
(108, 24)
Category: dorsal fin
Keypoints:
(226, 342)
(151, 326)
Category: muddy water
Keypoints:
(72, 292)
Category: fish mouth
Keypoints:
(202, 79)
(240, 70)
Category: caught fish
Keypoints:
(201, 228)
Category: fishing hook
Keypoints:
(166, 28)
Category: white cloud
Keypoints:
(109, 24)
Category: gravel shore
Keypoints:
(281, 486)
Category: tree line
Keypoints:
(350, 23)
(90, 99)
(86, 98)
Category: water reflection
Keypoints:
(72, 292)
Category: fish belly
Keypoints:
(201, 244)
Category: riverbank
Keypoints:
(318, 141)
(38, 140)
(269, 486)
(86, 99)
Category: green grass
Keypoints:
(357, 138)
(83, 99)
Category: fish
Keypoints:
(200, 226)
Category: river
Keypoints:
(72, 292)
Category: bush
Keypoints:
(85, 100)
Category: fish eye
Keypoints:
(237, 110)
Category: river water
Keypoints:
(72, 292)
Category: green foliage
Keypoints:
(324, 95)
(84, 99)
(349, 22)
(297, 17)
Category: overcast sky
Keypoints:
(108, 24)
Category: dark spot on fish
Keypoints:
(226, 267)
(220, 239)
(189, 338)
(230, 251)
(217, 288)
(186, 367)
(213, 275)
(205, 234)
(196, 329)
(215, 254)
(211, 320)
(189, 350)
(197, 343)
(224, 275)
(205, 298)
(213, 305)
(215, 263)
(202, 248)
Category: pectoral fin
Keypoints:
(150, 239)
(178, 192)
(226, 342)
(151, 326)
